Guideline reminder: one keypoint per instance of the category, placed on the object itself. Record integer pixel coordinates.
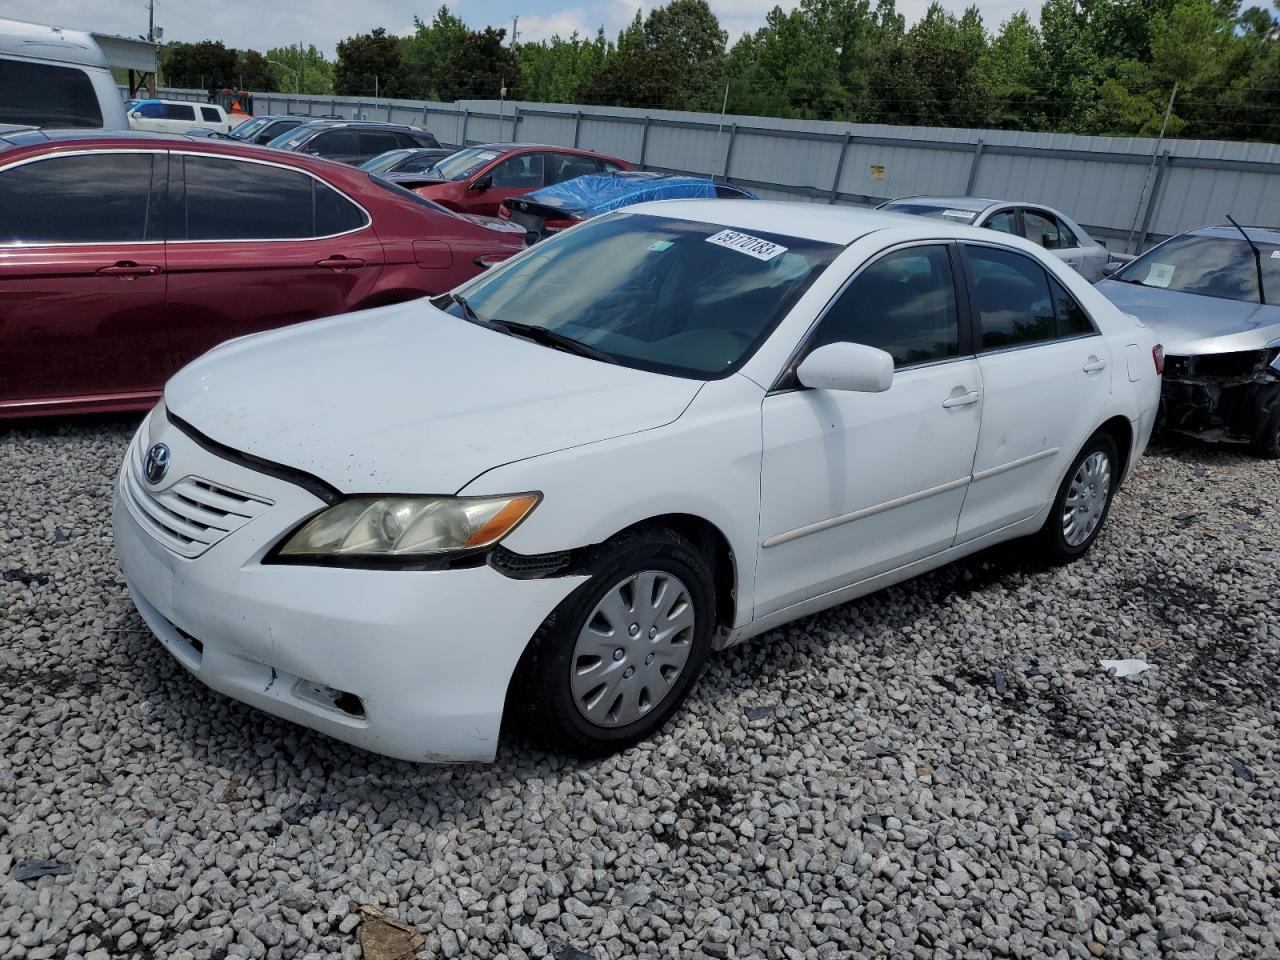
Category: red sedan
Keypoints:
(479, 179)
(125, 255)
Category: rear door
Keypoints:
(82, 277)
(1044, 386)
(370, 143)
(255, 245)
(178, 118)
(340, 145)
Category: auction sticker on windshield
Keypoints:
(1159, 275)
(959, 214)
(745, 243)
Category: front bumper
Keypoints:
(1228, 397)
(426, 655)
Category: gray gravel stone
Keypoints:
(855, 784)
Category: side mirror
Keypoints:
(484, 183)
(847, 366)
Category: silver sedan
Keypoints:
(1054, 231)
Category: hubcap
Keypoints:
(634, 646)
(1086, 498)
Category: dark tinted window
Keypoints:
(335, 143)
(1011, 296)
(210, 114)
(178, 111)
(44, 95)
(374, 142)
(95, 198)
(1072, 320)
(566, 166)
(417, 164)
(236, 200)
(519, 172)
(420, 138)
(904, 303)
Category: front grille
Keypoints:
(1237, 365)
(191, 515)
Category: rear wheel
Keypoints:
(1083, 501)
(620, 654)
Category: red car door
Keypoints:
(82, 281)
(255, 245)
(511, 177)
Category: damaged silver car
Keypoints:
(1213, 296)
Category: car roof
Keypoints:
(796, 218)
(1225, 231)
(37, 41)
(30, 137)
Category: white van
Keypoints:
(57, 79)
(178, 116)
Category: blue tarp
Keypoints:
(584, 197)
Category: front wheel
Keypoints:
(620, 653)
(1083, 501)
(1267, 443)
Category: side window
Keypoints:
(416, 164)
(1011, 296)
(178, 111)
(45, 95)
(566, 166)
(210, 114)
(235, 200)
(1006, 221)
(334, 212)
(1072, 320)
(904, 303)
(610, 167)
(95, 198)
(374, 142)
(522, 172)
(1043, 228)
(335, 143)
(151, 111)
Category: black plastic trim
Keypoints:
(299, 478)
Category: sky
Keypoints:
(258, 25)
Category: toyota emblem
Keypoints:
(157, 463)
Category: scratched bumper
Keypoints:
(428, 655)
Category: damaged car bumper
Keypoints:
(413, 664)
(1221, 396)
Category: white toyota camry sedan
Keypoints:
(548, 495)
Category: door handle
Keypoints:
(1094, 364)
(963, 400)
(126, 268)
(340, 263)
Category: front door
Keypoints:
(513, 177)
(82, 279)
(1045, 383)
(857, 484)
(254, 245)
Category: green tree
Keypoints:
(424, 52)
(202, 65)
(369, 64)
(253, 72)
(558, 70)
(1009, 77)
(299, 68)
(687, 35)
(479, 67)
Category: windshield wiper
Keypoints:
(1257, 258)
(549, 338)
(1127, 280)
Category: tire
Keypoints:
(574, 670)
(1266, 444)
(1060, 542)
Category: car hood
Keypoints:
(1189, 324)
(409, 399)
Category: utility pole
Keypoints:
(514, 32)
(1137, 211)
(151, 21)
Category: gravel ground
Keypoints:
(940, 770)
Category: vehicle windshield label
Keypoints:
(1275, 254)
(1159, 275)
(745, 243)
(959, 214)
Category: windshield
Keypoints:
(384, 161)
(247, 129)
(673, 296)
(1209, 266)
(954, 214)
(460, 165)
(291, 138)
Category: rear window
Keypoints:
(45, 95)
(210, 114)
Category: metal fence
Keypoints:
(1127, 189)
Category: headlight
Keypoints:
(392, 527)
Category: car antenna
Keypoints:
(1257, 257)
